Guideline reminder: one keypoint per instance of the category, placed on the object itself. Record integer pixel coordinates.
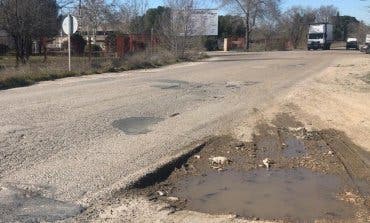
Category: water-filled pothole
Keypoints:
(306, 182)
(136, 125)
(297, 194)
(294, 147)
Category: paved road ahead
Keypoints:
(58, 136)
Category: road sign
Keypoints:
(204, 22)
(70, 25)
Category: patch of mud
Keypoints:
(275, 194)
(293, 147)
(312, 175)
(136, 125)
(24, 206)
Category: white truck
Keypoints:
(366, 48)
(320, 36)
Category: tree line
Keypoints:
(32, 20)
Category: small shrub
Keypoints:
(95, 49)
(211, 44)
(17, 81)
(78, 44)
(95, 64)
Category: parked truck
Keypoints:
(352, 43)
(367, 44)
(320, 36)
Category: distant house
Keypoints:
(5, 39)
(98, 39)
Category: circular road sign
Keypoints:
(70, 25)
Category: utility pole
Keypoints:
(151, 40)
(69, 41)
(79, 10)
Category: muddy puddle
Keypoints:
(136, 125)
(293, 147)
(311, 175)
(297, 194)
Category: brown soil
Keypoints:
(291, 147)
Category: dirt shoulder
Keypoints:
(337, 98)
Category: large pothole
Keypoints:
(136, 125)
(311, 175)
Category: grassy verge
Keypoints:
(56, 67)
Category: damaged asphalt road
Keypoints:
(320, 172)
(64, 140)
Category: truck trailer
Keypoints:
(320, 36)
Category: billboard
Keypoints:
(204, 22)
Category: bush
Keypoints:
(211, 44)
(78, 44)
(4, 49)
(95, 49)
(111, 43)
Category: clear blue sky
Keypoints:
(355, 8)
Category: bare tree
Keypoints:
(26, 21)
(94, 15)
(252, 10)
(294, 24)
(177, 28)
(127, 12)
(269, 24)
(326, 14)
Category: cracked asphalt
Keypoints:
(58, 138)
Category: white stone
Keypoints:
(173, 199)
(267, 162)
(219, 160)
(160, 193)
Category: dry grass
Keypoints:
(57, 67)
